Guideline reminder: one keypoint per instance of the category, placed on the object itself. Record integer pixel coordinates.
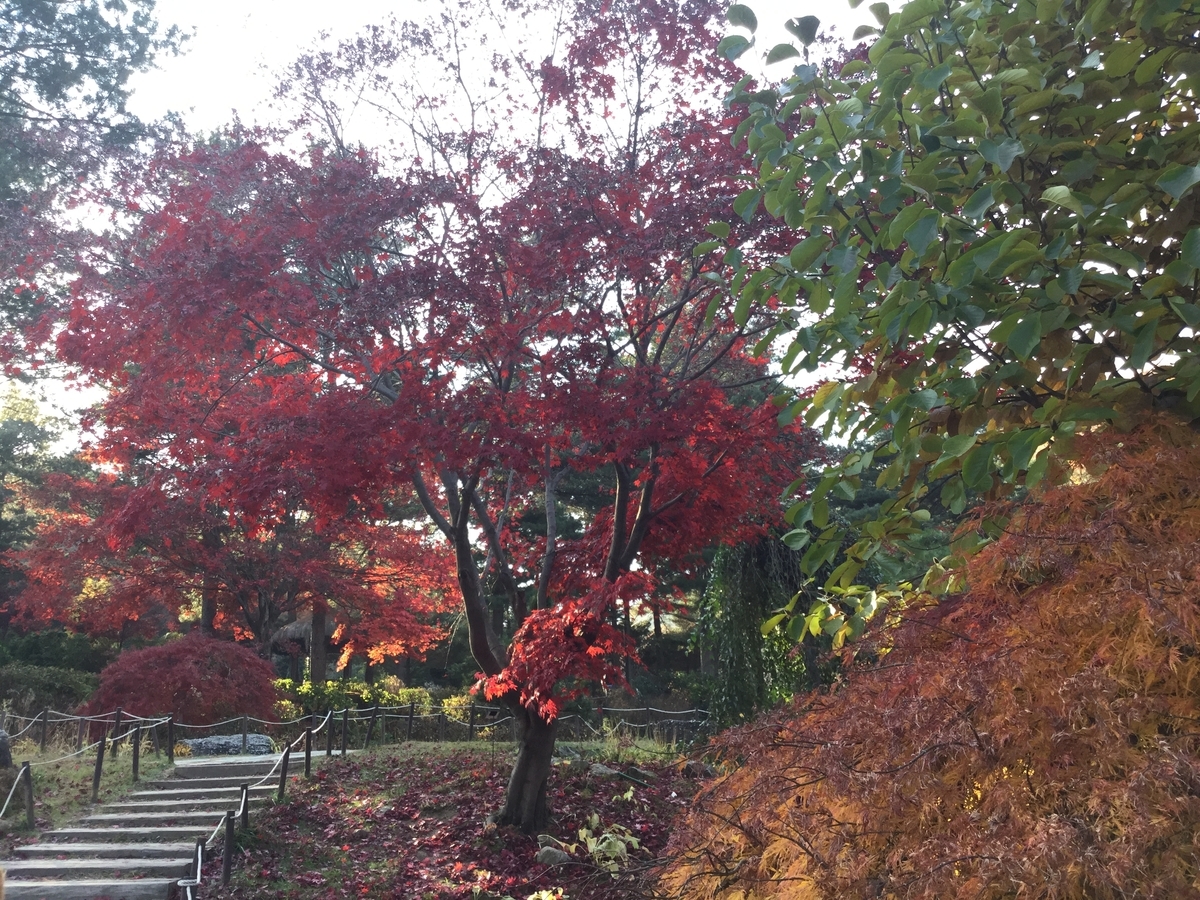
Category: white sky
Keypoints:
(238, 43)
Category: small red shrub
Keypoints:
(200, 679)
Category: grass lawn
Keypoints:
(408, 822)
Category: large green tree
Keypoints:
(997, 244)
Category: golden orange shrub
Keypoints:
(1033, 737)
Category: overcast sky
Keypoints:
(238, 43)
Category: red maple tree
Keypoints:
(475, 327)
(146, 549)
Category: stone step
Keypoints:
(115, 850)
(230, 781)
(123, 835)
(182, 804)
(162, 867)
(221, 768)
(216, 794)
(147, 819)
(90, 889)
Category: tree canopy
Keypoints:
(64, 68)
(996, 244)
(466, 327)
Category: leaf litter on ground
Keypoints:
(410, 823)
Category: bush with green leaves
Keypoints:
(997, 247)
(27, 690)
(307, 697)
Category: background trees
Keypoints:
(63, 73)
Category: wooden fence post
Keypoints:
(245, 805)
(245, 733)
(116, 730)
(283, 767)
(308, 751)
(99, 767)
(345, 727)
(171, 739)
(78, 733)
(45, 726)
(28, 773)
(137, 749)
(471, 726)
(154, 739)
(411, 709)
(329, 733)
(371, 726)
(227, 857)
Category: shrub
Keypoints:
(26, 690)
(58, 649)
(305, 698)
(1033, 737)
(200, 679)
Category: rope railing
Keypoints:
(343, 729)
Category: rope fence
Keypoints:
(341, 730)
(352, 728)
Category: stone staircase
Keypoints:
(139, 847)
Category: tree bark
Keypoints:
(525, 804)
(317, 662)
(208, 608)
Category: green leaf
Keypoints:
(1060, 195)
(979, 203)
(922, 233)
(956, 446)
(1189, 251)
(1021, 447)
(1143, 345)
(903, 221)
(1177, 179)
(977, 467)
(797, 539)
(926, 399)
(742, 16)
(954, 496)
(990, 103)
(1001, 154)
(733, 46)
(781, 52)
(1025, 336)
(768, 626)
(931, 79)
(705, 247)
(805, 253)
(718, 229)
(746, 203)
(881, 12)
(804, 28)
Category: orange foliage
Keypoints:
(1034, 737)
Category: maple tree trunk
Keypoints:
(525, 803)
(208, 609)
(316, 644)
